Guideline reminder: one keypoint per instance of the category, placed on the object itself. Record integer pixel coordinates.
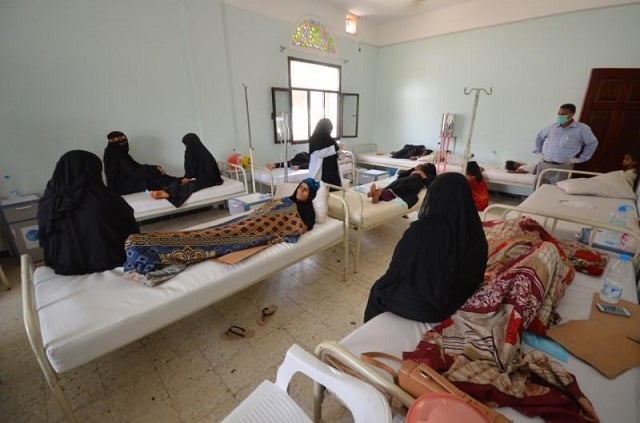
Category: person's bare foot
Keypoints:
(372, 189)
(159, 194)
(375, 196)
(270, 166)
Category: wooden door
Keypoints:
(612, 109)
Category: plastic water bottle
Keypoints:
(9, 189)
(617, 217)
(620, 273)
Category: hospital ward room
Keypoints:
(298, 211)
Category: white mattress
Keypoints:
(551, 199)
(385, 160)
(276, 176)
(498, 179)
(145, 207)
(363, 213)
(616, 400)
(85, 317)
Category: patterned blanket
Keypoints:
(479, 347)
(154, 257)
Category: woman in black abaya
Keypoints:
(82, 224)
(200, 171)
(199, 163)
(321, 139)
(439, 261)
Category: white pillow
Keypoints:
(320, 203)
(613, 184)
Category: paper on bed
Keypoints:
(603, 340)
(238, 256)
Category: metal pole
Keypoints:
(467, 148)
(246, 102)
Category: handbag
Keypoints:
(418, 378)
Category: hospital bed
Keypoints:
(614, 400)
(497, 177)
(272, 177)
(595, 207)
(145, 207)
(72, 320)
(363, 214)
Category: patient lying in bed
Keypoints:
(154, 257)
(406, 187)
(479, 346)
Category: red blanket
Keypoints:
(478, 348)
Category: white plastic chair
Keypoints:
(269, 402)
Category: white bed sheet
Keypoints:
(616, 400)
(84, 317)
(276, 176)
(363, 213)
(145, 207)
(385, 160)
(498, 179)
(551, 199)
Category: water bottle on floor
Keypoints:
(618, 275)
(617, 217)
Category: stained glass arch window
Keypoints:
(313, 34)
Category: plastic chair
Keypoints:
(270, 402)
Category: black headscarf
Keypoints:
(125, 175)
(440, 260)
(199, 163)
(82, 224)
(321, 138)
(305, 208)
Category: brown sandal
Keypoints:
(267, 312)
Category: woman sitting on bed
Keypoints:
(407, 186)
(200, 171)
(82, 223)
(157, 256)
(440, 260)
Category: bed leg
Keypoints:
(34, 335)
(58, 393)
(357, 252)
(4, 280)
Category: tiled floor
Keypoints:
(186, 372)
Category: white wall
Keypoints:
(155, 69)
(532, 66)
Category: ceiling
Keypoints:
(390, 10)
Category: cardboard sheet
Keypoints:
(607, 342)
(238, 256)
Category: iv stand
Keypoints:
(246, 102)
(285, 141)
(467, 148)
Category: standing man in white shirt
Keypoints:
(563, 144)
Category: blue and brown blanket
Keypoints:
(154, 257)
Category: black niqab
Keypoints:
(126, 176)
(440, 260)
(82, 224)
(199, 163)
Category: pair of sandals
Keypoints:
(236, 332)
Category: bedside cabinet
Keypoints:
(20, 225)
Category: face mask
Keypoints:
(562, 119)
